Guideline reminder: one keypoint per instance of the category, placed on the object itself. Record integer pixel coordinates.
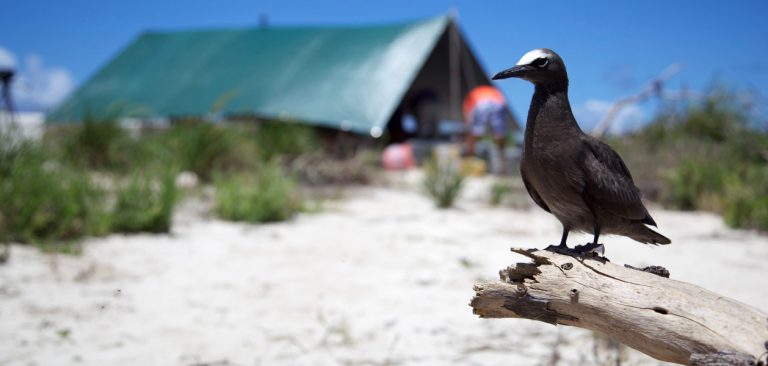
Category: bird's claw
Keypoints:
(562, 249)
(590, 250)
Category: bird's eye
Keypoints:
(540, 62)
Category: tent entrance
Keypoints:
(432, 107)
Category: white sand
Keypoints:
(375, 279)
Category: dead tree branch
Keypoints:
(653, 87)
(667, 319)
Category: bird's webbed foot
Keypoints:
(562, 249)
(590, 250)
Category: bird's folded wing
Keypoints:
(532, 192)
(608, 182)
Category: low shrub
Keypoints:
(144, 203)
(320, 169)
(280, 138)
(704, 154)
(443, 182)
(13, 149)
(97, 144)
(44, 201)
(693, 182)
(510, 192)
(204, 148)
(499, 189)
(746, 199)
(267, 196)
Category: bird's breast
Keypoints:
(556, 176)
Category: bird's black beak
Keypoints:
(514, 72)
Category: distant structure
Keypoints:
(355, 79)
(7, 111)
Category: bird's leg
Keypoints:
(564, 238)
(597, 234)
(593, 248)
(562, 248)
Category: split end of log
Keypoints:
(725, 358)
(669, 320)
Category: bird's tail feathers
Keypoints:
(648, 220)
(645, 235)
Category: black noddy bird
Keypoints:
(576, 177)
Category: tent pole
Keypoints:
(467, 67)
(454, 70)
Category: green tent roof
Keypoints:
(350, 78)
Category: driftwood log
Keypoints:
(669, 320)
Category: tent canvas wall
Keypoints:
(346, 78)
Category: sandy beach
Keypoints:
(378, 277)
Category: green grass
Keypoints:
(145, 204)
(95, 144)
(500, 189)
(49, 196)
(44, 201)
(443, 183)
(746, 199)
(206, 148)
(267, 196)
(704, 156)
(693, 183)
(280, 138)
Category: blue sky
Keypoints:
(610, 47)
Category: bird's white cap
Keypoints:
(532, 55)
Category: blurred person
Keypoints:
(416, 116)
(401, 126)
(484, 109)
(425, 109)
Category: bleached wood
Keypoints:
(667, 319)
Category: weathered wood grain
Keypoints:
(667, 319)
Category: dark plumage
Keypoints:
(576, 177)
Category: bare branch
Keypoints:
(667, 319)
(653, 87)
